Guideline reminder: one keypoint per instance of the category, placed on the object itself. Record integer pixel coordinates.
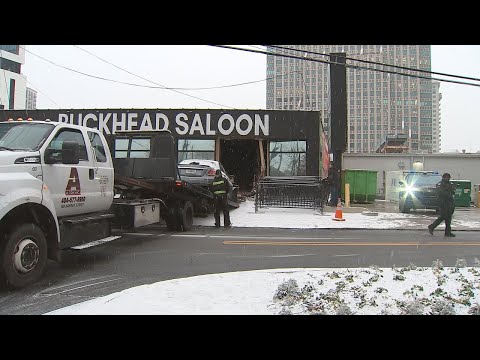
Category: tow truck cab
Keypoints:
(55, 178)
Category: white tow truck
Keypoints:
(57, 184)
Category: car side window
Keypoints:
(70, 135)
(96, 143)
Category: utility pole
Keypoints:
(338, 109)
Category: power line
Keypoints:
(40, 91)
(394, 66)
(382, 64)
(347, 65)
(178, 88)
(121, 82)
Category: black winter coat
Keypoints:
(445, 192)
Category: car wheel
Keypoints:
(24, 256)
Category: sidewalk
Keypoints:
(379, 215)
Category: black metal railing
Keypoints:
(309, 192)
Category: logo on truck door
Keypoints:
(73, 185)
(73, 189)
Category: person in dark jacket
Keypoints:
(334, 182)
(220, 189)
(445, 191)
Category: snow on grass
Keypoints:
(411, 290)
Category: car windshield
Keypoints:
(23, 136)
(423, 179)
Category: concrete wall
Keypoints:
(460, 166)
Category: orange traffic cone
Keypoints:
(338, 212)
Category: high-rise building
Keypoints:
(379, 103)
(31, 99)
(436, 117)
(13, 85)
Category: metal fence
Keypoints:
(308, 192)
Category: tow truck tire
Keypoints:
(172, 220)
(24, 256)
(187, 216)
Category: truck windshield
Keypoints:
(23, 136)
(416, 180)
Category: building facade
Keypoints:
(379, 103)
(248, 143)
(31, 99)
(13, 85)
(436, 117)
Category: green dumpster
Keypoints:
(363, 185)
(463, 189)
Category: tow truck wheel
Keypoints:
(187, 216)
(172, 220)
(24, 256)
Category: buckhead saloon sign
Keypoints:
(180, 124)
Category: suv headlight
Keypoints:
(410, 190)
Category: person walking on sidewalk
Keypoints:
(445, 191)
(334, 181)
(220, 189)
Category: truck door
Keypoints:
(69, 185)
(101, 175)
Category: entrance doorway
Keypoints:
(241, 159)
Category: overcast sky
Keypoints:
(201, 66)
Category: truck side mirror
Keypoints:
(70, 152)
(49, 158)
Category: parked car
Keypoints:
(202, 172)
(419, 191)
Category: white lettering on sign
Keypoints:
(63, 118)
(265, 125)
(220, 124)
(248, 119)
(164, 118)
(131, 121)
(88, 117)
(197, 125)
(146, 124)
(179, 121)
(110, 123)
(209, 130)
(119, 123)
(103, 123)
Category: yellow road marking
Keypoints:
(332, 243)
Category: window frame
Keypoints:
(299, 152)
(81, 151)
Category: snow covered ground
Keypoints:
(355, 218)
(369, 291)
(410, 290)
